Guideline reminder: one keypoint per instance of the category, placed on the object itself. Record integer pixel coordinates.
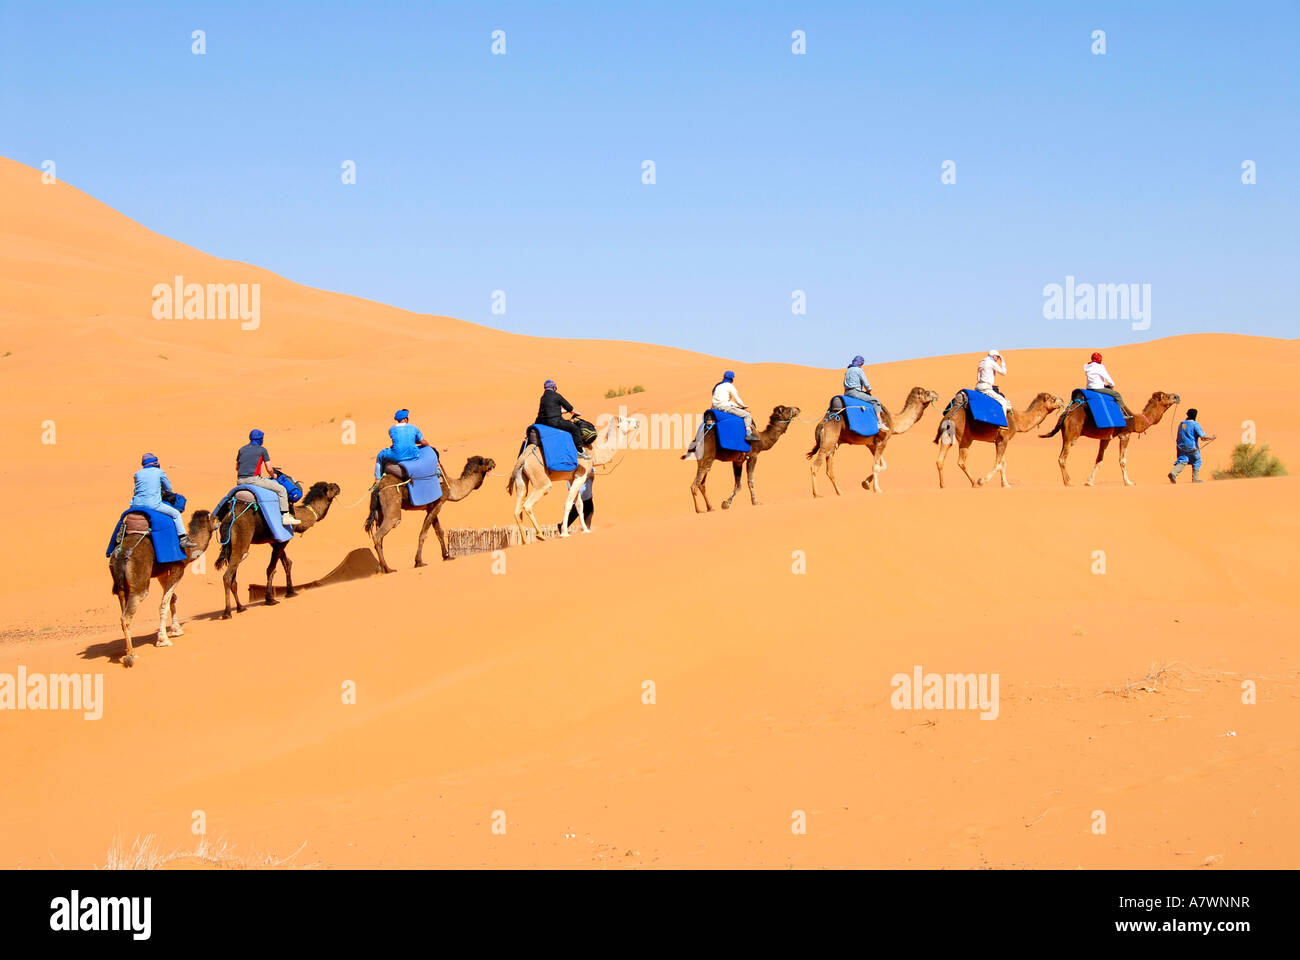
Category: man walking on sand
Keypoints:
(1188, 445)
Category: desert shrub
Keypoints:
(1249, 460)
(613, 392)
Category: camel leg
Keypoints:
(1123, 461)
(162, 640)
(817, 463)
(830, 471)
(231, 586)
(270, 575)
(938, 461)
(570, 495)
(520, 493)
(531, 500)
(701, 471)
(285, 562)
(1066, 444)
(429, 518)
(751, 464)
(382, 526)
(736, 468)
(1001, 464)
(962, 454)
(1102, 444)
(442, 540)
(872, 482)
(175, 630)
(130, 602)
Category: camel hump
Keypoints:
(395, 470)
(245, 496)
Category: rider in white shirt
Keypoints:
(727, 399)
(985, 375)
(1098, 378)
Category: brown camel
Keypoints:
(833, 432)
(389, 498)
(707, 452)
(249, 528)
(956, 427)
(1074, 423)
(530, 480)
(133, 566)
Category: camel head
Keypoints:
(1049, 401)
(620, 428)
(922, 396)
(1163, 401)
(481, 466)
(203, 524)
(783, 414)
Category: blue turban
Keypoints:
(858, 361)
(148, 460)
(402, 415)
(729, 376)
(549, 385)
(255, 436)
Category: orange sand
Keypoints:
(773, 701)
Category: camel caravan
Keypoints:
(151, 540)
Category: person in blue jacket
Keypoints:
(150, 484)
(857, 385)
(1188, 445)
(406, 442)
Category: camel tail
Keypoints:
(946, 435)
(1060, 422)
(374, 509)
(224, 557)
(817, 443)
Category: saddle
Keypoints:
(135, 523)
(245, 496)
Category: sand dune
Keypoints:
(522, 691)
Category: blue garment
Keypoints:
(855, 379)
(405, 438)
(166, 545)
(730, 432)
(1189, 432)
(985, 409)
(268, 504)
(150, 482)
(1190, 456)
(862, 418)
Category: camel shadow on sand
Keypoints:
(357, 565)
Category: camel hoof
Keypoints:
(128, 661)
(1130, 483)
(225, 616)
(419, 564)
(726, 505)
(162, 642)
(448, 557)
(270, 601)
(979, 482)
(177, 632)
(291, 593)
(388, 570)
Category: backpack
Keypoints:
(290, 485)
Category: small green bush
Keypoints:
(613, 392)
(1249, 460)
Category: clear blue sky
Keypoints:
(775, 172)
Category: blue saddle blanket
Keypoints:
(269, 505)
(859, 415)
(423, 474)
(558, 450)
(1103, 409)
(162, 531)
(730, 432)
(984, 409)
